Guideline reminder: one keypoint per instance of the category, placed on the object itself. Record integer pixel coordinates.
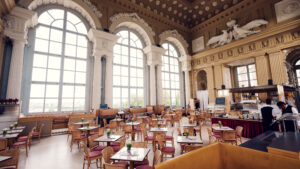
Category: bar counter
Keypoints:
(252, 128)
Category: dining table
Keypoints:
(189, 125)
(108, 140)
(88, 130)
(132, 155)
(189, 140)
(4, 158)
(132, 124)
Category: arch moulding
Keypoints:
(177, 39)
(84, 7)
(133, 21)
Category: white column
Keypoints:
(103, 43)
(154, 55)
(18, 22)
(159, 85)
(186, 67)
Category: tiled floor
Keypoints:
(54, 153)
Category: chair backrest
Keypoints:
(3, 144)
(15, 154)
(139, 144)
(113, 124)
(191, 131)
(179, 132)
(86, 150)
(107, 153)
(104, 122)
(127, 128)
(161, 139)
(239, 130)
(154, 123)
(101, 131)
(122, 142)
(41, 127)
(114, 166)
(214, 125)
(229, 135)
(188, 148)
(121, 133)
(91, 140)
(30, 135)
(76, 134)
(140, 120)
(157, 157)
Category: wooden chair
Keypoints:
(13, 162)
(165, 150)
(107, 153)
(114, 166)
(216, 134)
(169, 119)
(128, 130)
(105, 125)
(156, 160)
(93, 145)
(190, 130)
(239, 132)
(77, 138)
(138, 129)
(146, 136)
(140, 145)
(71, 127)
(188, 148)
(211, 138)
(154, 123)
(113, 125)
(118, 145)
(90, 156)
(3, 144)
(170, 138)
(101, 131)
(37, 133)
(25, 143)
(153, 116)
(229, 137)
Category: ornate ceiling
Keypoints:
(186, 12)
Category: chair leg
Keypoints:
(83, 163)
(26, 151)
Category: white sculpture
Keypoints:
(236, 32)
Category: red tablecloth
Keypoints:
(252, 128)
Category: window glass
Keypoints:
(247, 76)
(170, 76)
(128, 68)
(58, 80)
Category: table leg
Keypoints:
(108, 144)
(132, 133)
(131, 164)
(87, 138)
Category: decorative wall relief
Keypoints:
(234, 32)
(287, 9)
(198, 44)
(201, 80)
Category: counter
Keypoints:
(252, 128)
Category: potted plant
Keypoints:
(129, 145)
(11, 127)
(220, 124)
(158, 125)
(4, 132)
(88, 124)
(191, 121)
(108, 133)
(82, 120)
(187, 133)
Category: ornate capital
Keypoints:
(103, 42)
(17, 23)
(154, 54)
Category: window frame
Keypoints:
(144, 68)
(181, 90)
(248, 75)
(29, 58)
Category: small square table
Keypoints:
(189, 125)
(189, 140)
(132, 124)
(9, 136)
(155, 129)
(3, 158)
(223, 128)
(135, 155)
(112, 138)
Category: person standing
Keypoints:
(267, 115)
(289, 124)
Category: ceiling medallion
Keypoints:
(234, 32)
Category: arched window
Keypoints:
(297, 67)
(170, 76)
(128, 71)
(59, 64)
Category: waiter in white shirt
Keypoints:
(287, 109)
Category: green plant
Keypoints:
(16, 124)
(128, 146)
(108, 133)
(187, 133)
(220, 124)
(4, 132)
(82, 119)
(11, 127)
(191, 121)
(158, 125)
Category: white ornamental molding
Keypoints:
(134, 17)
(235, 32)
(94, 23)
(177, 39)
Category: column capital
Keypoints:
(103, 42)
(17, 23)
(154, 54)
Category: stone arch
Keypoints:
(85, 8)
(133, 21)
(201, 80)
(177, 39)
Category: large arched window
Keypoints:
(297, 67)
(128, 71)
(170, 76)
(59, 64)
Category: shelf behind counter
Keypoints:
(252, 128)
